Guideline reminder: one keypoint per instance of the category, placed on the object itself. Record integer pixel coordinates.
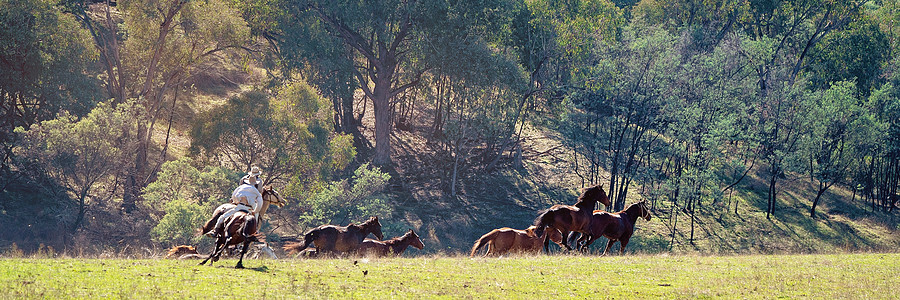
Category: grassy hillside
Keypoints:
(854, 276)
(512, 197)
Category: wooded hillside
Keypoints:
(749, 126)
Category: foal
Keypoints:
(503, 240)
(392, 247)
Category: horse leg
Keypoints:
(585, 241)
(240, 264)
(547, 243)
(608, 245)
(623, 242)
(571, 237)
(219, 247)
(566, 244)
(216, 249)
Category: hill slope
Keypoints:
(512, 197)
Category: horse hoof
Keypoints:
(239, 267)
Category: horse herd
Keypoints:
(567, 221)
(560, 224)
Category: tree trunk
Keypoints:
(822, 188)
(383, 116)
(770, 209)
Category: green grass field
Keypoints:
(849, 276)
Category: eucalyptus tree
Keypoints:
(839, 127)
(373, 41)
(45, 68)
(288, 134)
(81, 154)
(149, 50)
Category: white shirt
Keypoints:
(254, 198)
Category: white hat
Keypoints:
(254, 171)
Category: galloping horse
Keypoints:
(270, 197)
(340, 239)
(241, 227)
(617, 226)
(567, 218)
(503, 240)
(394, 246)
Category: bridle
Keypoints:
(269, 193)
(645, 211)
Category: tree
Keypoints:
(80, 154)
(149, 49)
(783, 121)
(856, 54)
(45, 60)
(839, 127)
(288, 135)
(377, 38)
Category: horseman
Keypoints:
(245, 197)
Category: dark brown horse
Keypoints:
(392, 247)
(618, 226)
(567, 218)
(241, 227)
(504, 240)
(337, 239)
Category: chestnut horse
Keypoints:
(182, 252)
(567, 218)
(241, 227)
(392, 247)
(618, 226)
(337, 239)
(503, 240)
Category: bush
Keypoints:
(346, 201)
(179, 225)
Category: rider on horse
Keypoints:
(245, 197)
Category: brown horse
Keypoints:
(241, 227)
(503, 240)
(337, 239)
(392, 247)
(618, 226)
(567, 218)
(182, 252)
(270, 197)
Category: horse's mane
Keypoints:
(368, 222)
(590, 191)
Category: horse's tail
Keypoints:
(544, 220)
(208, 226)
(296, 247)
(484, 240)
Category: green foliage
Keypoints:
(179, 179)
(856, 54)
(288, 135)
(45, 67)
(202, 29)
(179, 225)
(79, 154)
(353, 200)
